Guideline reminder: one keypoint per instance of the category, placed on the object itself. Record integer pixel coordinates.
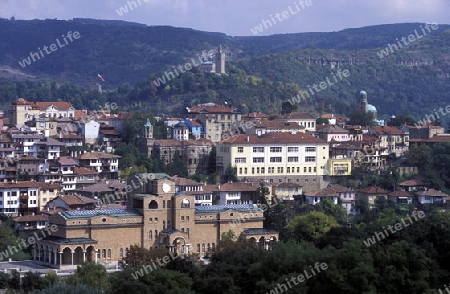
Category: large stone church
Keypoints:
(156, 216)
(193, 153)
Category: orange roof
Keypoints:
(295, 115)
(60, 105)
(411, 183)
(83, 171)
(31, 218)
(388, 130)
(20, 184)
(432, 193)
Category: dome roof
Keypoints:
(363, 93)
(371, 108)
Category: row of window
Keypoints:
(277, 149)
(15, 193)
(205, 248)
(279, 170)
(274, 159)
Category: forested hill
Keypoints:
(263, 71)
(130, 52)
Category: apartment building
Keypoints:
(276, 158)
(22, 110)
(217, 119)
(19, 198)
(303, 119)
(393, 139)
(106, 164)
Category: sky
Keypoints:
(239, 17)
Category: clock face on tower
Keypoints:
(166, 188)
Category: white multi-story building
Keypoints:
(19, 198)
(303, 119)
(276, 158)
(106, 164)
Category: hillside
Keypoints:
(264, 71)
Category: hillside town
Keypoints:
(59, 168)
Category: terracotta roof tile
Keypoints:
(373, 190)
(211, 108)
(295, 115)
(31, 218)
(432, 193)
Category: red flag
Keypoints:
(100, 78)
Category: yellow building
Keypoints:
(339, 167)
(276, 158)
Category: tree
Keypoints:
(337, 211)
(231, 174)
(63, 288)
(361, 118)
(262, 191)
(311, 226)
(402, 120)
(33, 281)
(138, 256)
(322, 121)
(90, 274)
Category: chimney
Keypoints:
(248, 138)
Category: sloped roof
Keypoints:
(179, 181)
(411, 183)
(330, 190)
(373, 190)
(432, 193)
(388, 130)
(97, 155)
(211, 108)
(31, 218)
(295, 115)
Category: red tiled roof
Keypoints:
(273, 138)
(254, 115)
(97, 155)
(333, 129)
(83, 171)
(432, 193)
(330, 190)
(179, 181)
(240, 187)
(31, 218)
(76, 200)
(60, 105)
(65, 160)
(388, 130)
(411, 183)
(20, 184)
(295, 115)
(80, 113)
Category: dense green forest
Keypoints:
(414, 259)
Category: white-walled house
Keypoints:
(90, 131)
(432, 196)
(336, 193)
